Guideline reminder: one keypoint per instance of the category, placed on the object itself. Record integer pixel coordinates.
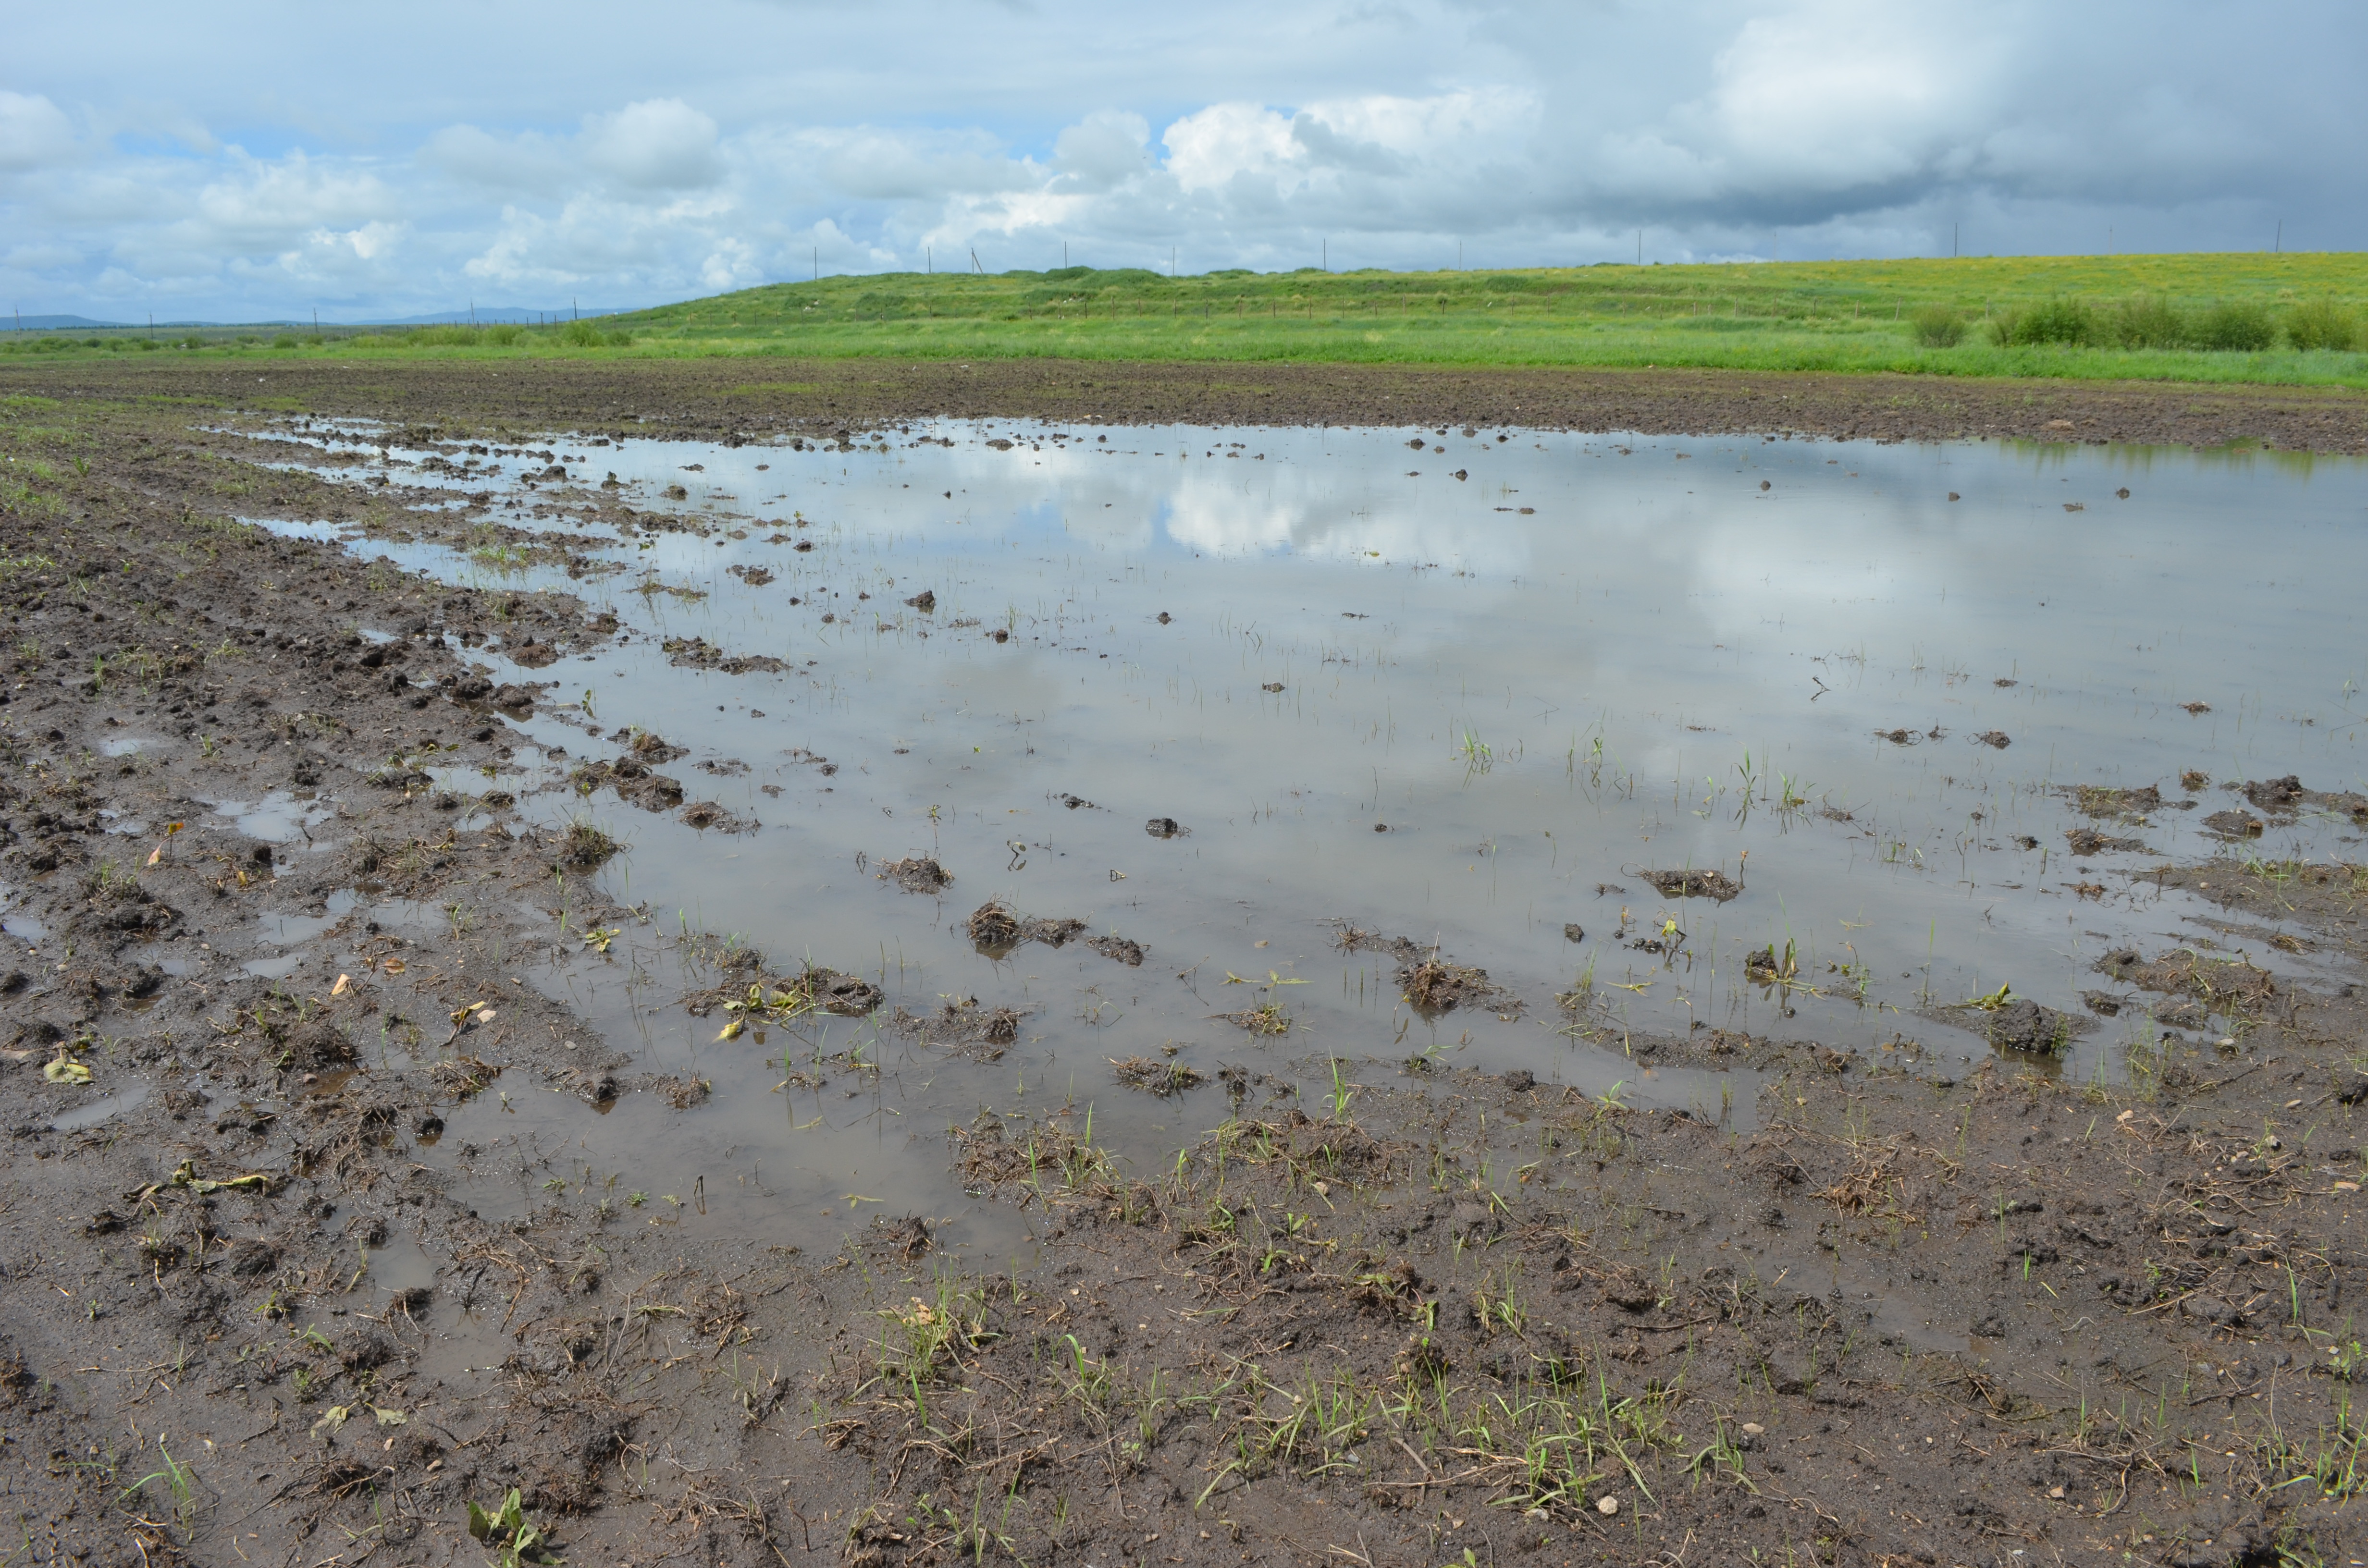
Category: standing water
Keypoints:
(1291, 711)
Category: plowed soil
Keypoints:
(718, 397)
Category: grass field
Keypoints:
(2275, 319)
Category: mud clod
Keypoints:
(1153, 1077)
(1434, 985)
(2234, 824)
(585, 845)
(993, 927)
(2086, 841)
(706, 815)
(2019, 1024)
(2276, 795)
(849, 994)
(918, 874)
(2096, 801)
(983, 1032)
(1714, 885)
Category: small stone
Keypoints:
(1607, 1507)
(1754, 1429)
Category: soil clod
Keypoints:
(1162, 1078)
(918, 874)
(1714, 885)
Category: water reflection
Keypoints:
(1586, 658)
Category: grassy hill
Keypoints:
(2230, 317)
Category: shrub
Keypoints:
(2068, 322)
(285, 340)
(441, 337)
(2322, 324)
(2238, 328)
(580, 335)
(505, 334)
(2144, 323)
(1937, 327)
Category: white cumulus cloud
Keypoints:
(224, 164)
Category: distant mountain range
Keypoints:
(484, 315)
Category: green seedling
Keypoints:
(515, 1539)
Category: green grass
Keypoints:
(2230, 317)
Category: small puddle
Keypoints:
(279, 968)
(279, 818)
(286, 930)
(92, 1112)
(127, 745)
(399, 1266)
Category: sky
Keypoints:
(244, 161)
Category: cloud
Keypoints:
(34, 132)
(658, 144)
(1102, 151)
(552, 162)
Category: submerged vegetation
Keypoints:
(2233, 317)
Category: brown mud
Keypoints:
(719, 398)
(1380, 1313)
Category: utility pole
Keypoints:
(2279, 246)
(1952, 242)
(1640, 248)
(1326, 254)
(928, 261)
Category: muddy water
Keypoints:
(1460, 696)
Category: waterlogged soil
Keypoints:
(284, 904)
(721, 397)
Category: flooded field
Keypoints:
(933, 990)
(1668, 737)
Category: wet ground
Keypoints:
(1707, 862)
(766, 396)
